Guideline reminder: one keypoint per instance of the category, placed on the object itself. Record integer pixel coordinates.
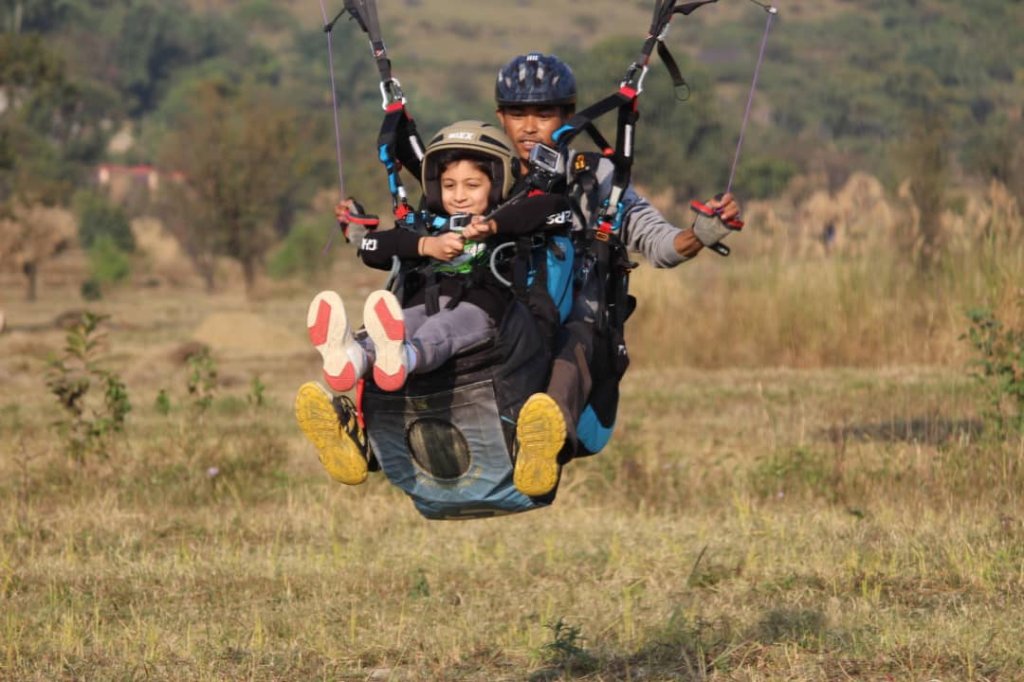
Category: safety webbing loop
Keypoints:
(398, 143)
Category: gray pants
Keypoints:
(443, 335)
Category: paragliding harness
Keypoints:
(447, 439)
(601, 244)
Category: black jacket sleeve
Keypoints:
(379, 247)
(533, 214)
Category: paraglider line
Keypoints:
(772, 12)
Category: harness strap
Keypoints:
(670, 64)
(621, 155)
(460, 293)
(432, 292)
(398, 132)
(398, 144)
(622, 303)
(365, 14)
(584, 121)
(585, 184)
(599, 139)
(540, 270)
(521, 267)
(599, 248)
(625, 100)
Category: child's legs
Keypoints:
(446, 333)
(366, 343)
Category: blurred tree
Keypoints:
(762, 177)
(98, 217)
(186, 217)
(29, 236)
(996, 150)
(914, 88)
(301, 253)
(835, 84)
(40, 16)
(158, 42)
(51, 129)
(241, 155)
(680, 142)
(265, 14)
(108, 262)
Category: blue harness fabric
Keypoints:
(445, 478)
(448, 438)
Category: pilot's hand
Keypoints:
(479, 228)
(725, 206)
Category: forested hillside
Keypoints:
(893, 89)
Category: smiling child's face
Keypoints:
(464, 188)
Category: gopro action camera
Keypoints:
(458, 221)
(547, 168)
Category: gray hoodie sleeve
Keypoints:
(647, 230)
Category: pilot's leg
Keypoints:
(547, 421)
(330, 423)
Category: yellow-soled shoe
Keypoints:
(339, 441)
(540, 433)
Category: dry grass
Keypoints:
(782, 299)
(823, 504)
(701, 545)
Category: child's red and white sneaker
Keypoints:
(330, 333)
(385, 324)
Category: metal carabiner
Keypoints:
(391, 93)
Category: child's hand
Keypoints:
(479, 228)
(443, 247)
(343, 208)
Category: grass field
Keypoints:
(751, 521)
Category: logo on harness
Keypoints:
(563, 218)
(368, 244)
(581, 164)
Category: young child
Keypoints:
(469, 168)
